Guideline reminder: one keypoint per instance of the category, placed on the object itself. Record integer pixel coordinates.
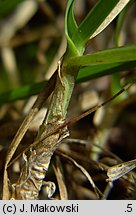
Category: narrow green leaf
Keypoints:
(70, 23)
(70, 26)
(96, 71)
(97, 20)
(85, 74)
(121, 54)
(21, 92)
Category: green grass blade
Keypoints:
(96, 71)
(21, 92)
(85, 74)
(97, 20)
(70, 23)
(121, 54)
(70, 26)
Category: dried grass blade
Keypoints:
(119, 170)
(60, 179)
(84, 171)
(24, 127)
